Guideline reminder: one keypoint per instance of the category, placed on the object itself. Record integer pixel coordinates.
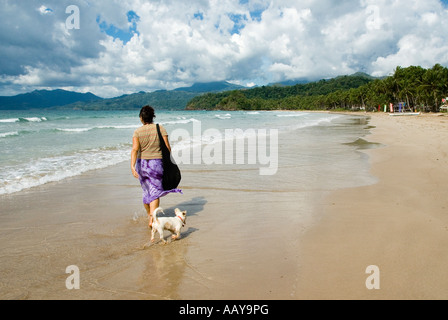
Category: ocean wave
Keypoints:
(122, 127)
(9, 120)
(28, 119)
(9, 134)
(17, 178)
(33, 119)
(180, 120)
(15, 133)
(80, 130)
(311, 123)
(74, 130)
(223, 116)
(291, 115)
(132, 126)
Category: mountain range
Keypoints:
(45, 99)
(205, 87)
(176, 99)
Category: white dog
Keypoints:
(173, 224)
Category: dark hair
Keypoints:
(147, 114)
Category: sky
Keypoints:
(116, 47)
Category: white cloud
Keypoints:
(177, 43)
(45, 10)
(419, 35)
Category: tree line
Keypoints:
(416, 88)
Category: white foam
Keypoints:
(9, 120)
(35, 119)
(223, 116)
(17, 178)
(312, 123)
(118, 127)
(181, 120)
(8, 134)
(74, 129)
(291, 115)
(79, 130)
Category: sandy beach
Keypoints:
(316, 245)
(399, 224)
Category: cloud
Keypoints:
(419, 36)
(36, 37)
(45, 10)
(125, 46)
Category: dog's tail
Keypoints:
(154, 214)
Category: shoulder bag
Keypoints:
(171, 172)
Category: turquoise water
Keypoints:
(38, 147)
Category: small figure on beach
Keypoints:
(146, 161)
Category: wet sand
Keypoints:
(228, 244)
(244, 238)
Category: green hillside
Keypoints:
(421, 89)
(169, 100)
(40, 99)
(60, 99)
(274, 97)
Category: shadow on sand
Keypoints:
(193, 208)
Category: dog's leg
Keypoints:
(161, 236)
(153, 234)
(176, 236)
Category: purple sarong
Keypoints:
(150, 175)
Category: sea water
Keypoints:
(39, 147)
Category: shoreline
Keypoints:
(399, 224)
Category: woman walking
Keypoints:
(146, 161)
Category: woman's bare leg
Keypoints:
(151, 208)
(148, 212)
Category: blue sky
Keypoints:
(124, 35)
(126, 46)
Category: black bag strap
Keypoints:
(162, 142)
(166, 154)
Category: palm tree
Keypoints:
(434, 85)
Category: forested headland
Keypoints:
(418, 88)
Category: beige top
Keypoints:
(149, 141)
